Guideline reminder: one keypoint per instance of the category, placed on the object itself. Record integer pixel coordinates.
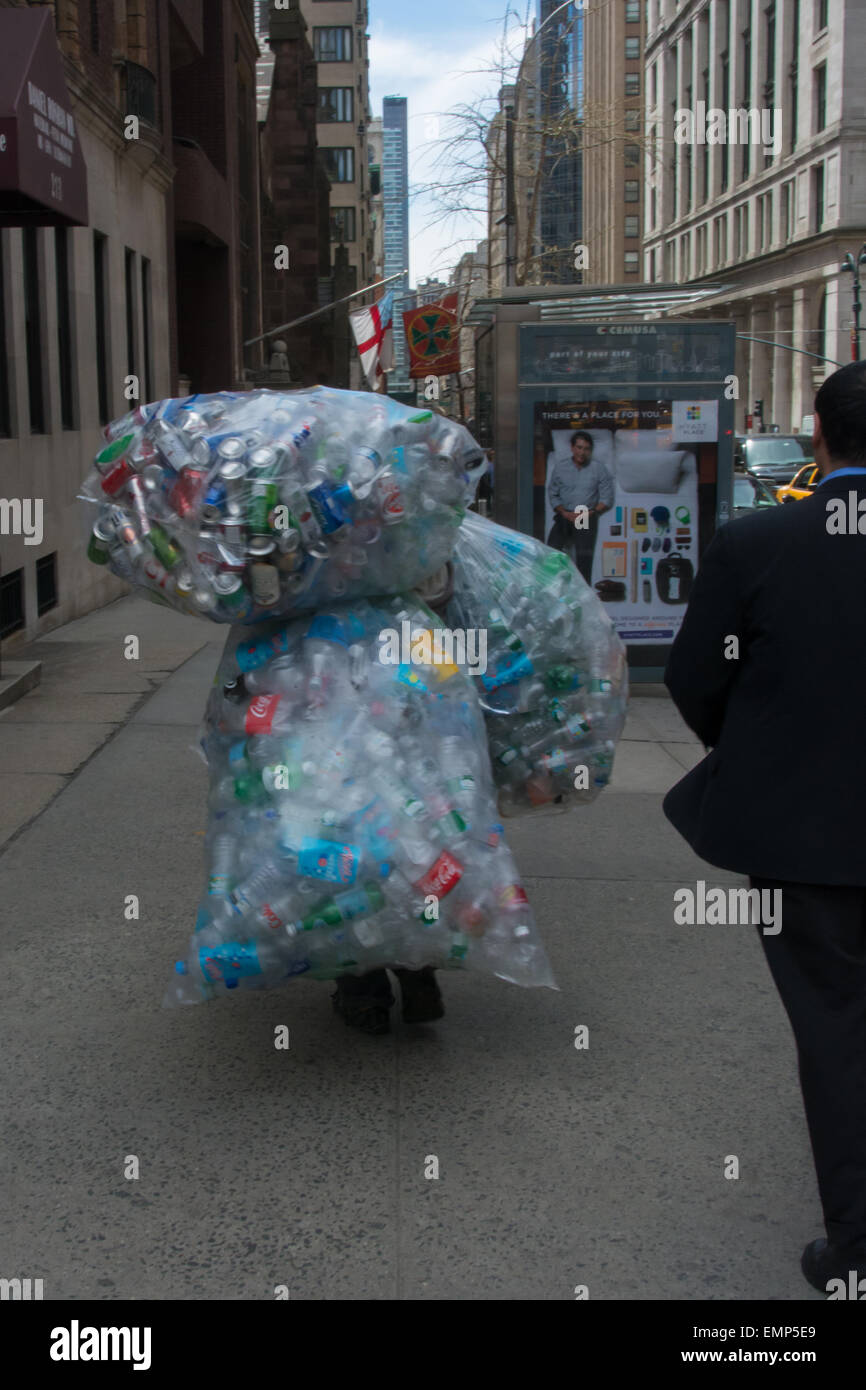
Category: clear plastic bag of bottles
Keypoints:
(245, 506)
(353, 820)
(555, 684)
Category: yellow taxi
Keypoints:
(802, 484)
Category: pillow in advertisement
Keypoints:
(650, 472)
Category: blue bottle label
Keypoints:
(327, 628)
(233, 961)
(328, 860)
(251, 655)
(507, 671)
(326, 507)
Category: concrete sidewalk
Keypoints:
(557, 1167)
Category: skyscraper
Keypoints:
(395, 195)
(561, 82)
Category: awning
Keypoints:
(43, 178)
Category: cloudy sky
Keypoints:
(438, 54)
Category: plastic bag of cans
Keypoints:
(555, 686)
(247, 506)
(353, 819)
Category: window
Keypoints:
(818, 197)
(765, 236)
(632, 119)
(64, 327)
(340, 163)
(632, 84)
(631, 225)
(632, 11)
(632, 263)
(725, 104)
(741, 231)
(685, 256)
(770, 56)
(821, 15)
(46, 583)
(788, 210)
(747, 97)
(5, 420)
(11, 603)
(632, 49)
(632, 190)
(100, 306)
(342, 224)
(820, 97)
(130, 287)
(632, 154)
(654, 85)
(33, 329)
(146, 328)
(332, 45)
(793, 72)
(336, 104)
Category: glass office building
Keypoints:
(561, 79)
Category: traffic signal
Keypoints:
(759, 408)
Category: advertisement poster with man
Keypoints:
(629, 493)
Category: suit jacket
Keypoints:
(782, 794)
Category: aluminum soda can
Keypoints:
(262, 500)
(189, 489)
(266, 461)
(164, 547)
(138, 496)
(124, 530)
(231, 449)
(260, 545)
(207, 549)
(171, 444)
(232, 531)
(135, 420)
(229, 590)
(99, 547)
(116, 479)
(214, 504)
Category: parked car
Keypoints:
(802, 485)
(750, 493)
(773, 457)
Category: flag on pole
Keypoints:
(372, 327)
(433, 338)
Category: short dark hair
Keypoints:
(841, 405)
(582, 434)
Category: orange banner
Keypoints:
(433, 339)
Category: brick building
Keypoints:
(159, 280)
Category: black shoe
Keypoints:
(422, 1000)
(822, 1262)
(364, 1002)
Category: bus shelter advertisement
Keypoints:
(636, 481)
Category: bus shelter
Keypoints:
(652, 401)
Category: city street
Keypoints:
(305, 1168)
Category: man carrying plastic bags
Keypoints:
(353, 818)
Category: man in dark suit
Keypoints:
(782, 795)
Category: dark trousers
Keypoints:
(818, 961)
(576, 541)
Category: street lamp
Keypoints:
(849, 264)
(510, 218)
